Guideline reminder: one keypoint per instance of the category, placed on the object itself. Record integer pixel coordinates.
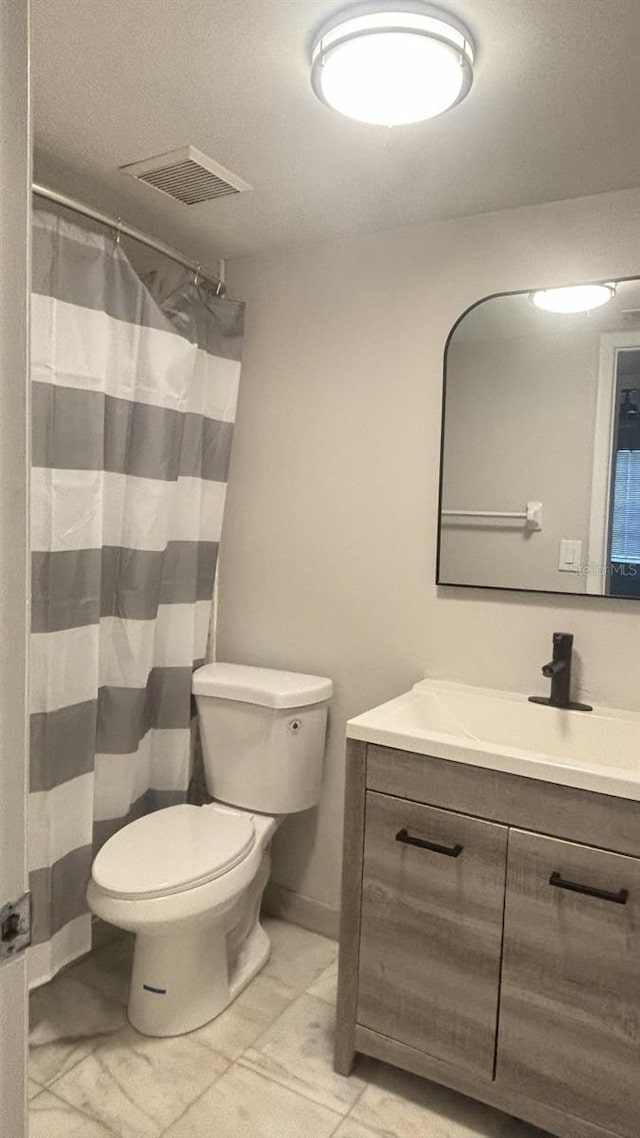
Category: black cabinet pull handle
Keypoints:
(619, 898)
(449, 851)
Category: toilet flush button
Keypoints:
(295, 725)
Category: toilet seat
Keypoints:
(173, 850)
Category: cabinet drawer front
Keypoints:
(528, 803)
(569, 1020)
(431, 930)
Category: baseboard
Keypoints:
(279, 901)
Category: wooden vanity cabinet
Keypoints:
(498, 957)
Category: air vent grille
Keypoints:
(187, 175)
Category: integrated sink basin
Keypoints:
(598, 751)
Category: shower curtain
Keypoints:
(133, 402)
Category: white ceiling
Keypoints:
(553, 114)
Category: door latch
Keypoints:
(15, 926)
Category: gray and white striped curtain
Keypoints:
(133, 406)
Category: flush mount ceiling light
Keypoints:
(574, 298)
(393, 67)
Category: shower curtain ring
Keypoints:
(196, 276)
(118, 229)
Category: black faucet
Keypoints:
(558, 670)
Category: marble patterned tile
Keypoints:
(326, 986)
(104, 1080)
(68, 1021)
(298, 956)
(49, 1117)
(243, 1104)
(399, 1105)
(350, 1129)
(255, 1009)
(297, 1052)
(108, 970)
(138, 1086)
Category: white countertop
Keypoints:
(597, 750)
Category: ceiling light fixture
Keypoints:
(393, 67)
(574, 298)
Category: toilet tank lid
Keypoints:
(264, 686)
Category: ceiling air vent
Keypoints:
(187, 175)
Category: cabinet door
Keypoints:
(431, 930)
(570, 999)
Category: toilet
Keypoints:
(188, 880)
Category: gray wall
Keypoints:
(329, 543)
(520, 426)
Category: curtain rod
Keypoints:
(129, 231)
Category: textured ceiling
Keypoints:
(553, 114)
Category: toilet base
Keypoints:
(180, 981)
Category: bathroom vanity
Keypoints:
(490, 936)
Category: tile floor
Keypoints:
(263, 1069)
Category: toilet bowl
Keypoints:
(188, 880)
(176, 879)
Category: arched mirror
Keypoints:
(540, 468)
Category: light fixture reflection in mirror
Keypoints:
(574, 298)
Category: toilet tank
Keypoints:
(263, 735)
